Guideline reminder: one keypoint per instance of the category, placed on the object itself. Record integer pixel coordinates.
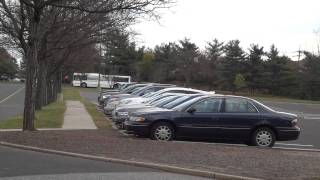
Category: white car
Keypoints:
(138, 100)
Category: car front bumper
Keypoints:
(288, 134)
(118, 119)
(137, 128)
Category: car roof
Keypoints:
(182, 88)
(226, 96)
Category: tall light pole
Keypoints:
(101, 66)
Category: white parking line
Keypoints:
(307, 147)
(209, 143)
(297, 149)
(301, 145)
(8, 97)
(312, 118)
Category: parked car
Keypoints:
(15, 80)
(217, 117)
(137, 100)
(105, 96)
(120, 114)
(4, 78)
(114, 100)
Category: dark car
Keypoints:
(217, 117)
(120, 114)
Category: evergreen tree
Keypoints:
(240, 82)
(232, 63)
(166, 62)
(188, 54)
(254, 67)
(279, 75)
(214, 51)
(311, 76)
(8, 64)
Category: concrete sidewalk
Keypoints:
(77, 117)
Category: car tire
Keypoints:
(162, 131)
(263, 137)
(83, 85)
(115, 86)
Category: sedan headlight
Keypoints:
(105, 96)
(114, 103)
(137, 119)
(122, 113)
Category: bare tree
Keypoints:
(25, 24)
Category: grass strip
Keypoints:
(97, 116)
(50, 116)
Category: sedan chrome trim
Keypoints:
(215, 127)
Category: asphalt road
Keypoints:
(309, 122)
(11, 100)
(16, 164)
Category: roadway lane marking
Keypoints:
(8, 97)
(302, 145)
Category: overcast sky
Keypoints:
(289, 24)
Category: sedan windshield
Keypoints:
(165, 101)
(186, 104)
(179, 101)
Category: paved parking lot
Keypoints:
(11, 100)
(309, 124)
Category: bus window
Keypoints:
(120, 79)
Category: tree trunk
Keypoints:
(60, 82)
(49, 90)
(29, 100)
(31, 77)
(41, 97)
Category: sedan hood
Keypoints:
(287, 115)
(126, 108)
(149, 111)
(134, 100)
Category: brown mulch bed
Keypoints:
(244, 161)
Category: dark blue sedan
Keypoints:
(217, 117)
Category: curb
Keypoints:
(172, 169)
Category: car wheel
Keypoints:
(162, 131)
(115, 86)
(263, 137)
(84, 85)
(119, 126)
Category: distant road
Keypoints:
(309, 123)
(16, 164)
(11, 100)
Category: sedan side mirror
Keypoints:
(191, 110)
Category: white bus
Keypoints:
(91, 80)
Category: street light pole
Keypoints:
(99, 86)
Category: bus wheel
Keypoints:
(84, 85)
